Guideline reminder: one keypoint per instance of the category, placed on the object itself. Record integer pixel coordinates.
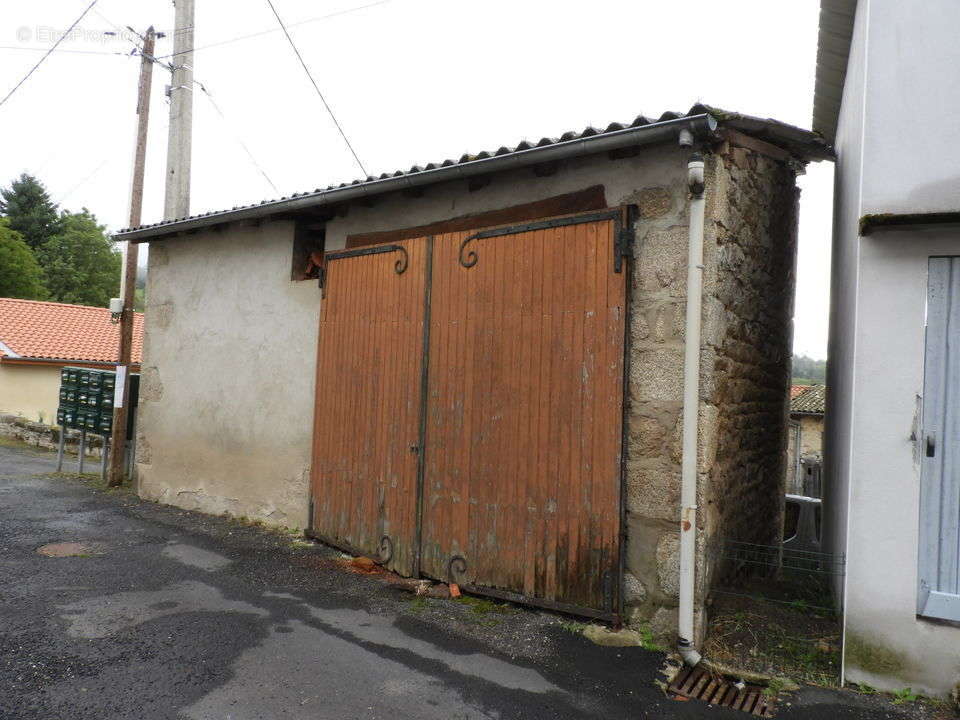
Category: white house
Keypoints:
(887, 96)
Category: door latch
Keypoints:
(414, 448)
(931, 444)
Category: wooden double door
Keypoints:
(469, 408)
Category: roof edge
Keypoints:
(700, 125)
(834, 36)
(702, 121)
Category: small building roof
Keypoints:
(703, 120)
(812, 401)
(833, 52)
(797, 389)
(49, 331)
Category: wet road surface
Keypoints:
(173, 614)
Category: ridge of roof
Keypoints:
(804, 144)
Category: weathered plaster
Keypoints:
(229, 356)
(227, 383)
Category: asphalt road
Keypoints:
(171, 614)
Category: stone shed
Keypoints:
(474, 370)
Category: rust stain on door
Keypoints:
(469, 408)
(365, 447)
(524, 413)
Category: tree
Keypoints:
(29, 210)
(807, 371)
(20, 274)
(81, 264)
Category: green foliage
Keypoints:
(29, 210)
(647, 640)
(901, 697)
(20, 274)
(81, 264)
(807, 371)
(573, 627)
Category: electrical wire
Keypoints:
(269, 32)
(47, 54)
(83, 182)
(317, 88)
(236, 136)
(63, 50)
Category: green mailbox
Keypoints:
(105, 426)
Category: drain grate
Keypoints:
(701, 684)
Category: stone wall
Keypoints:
(749, 258)
(47, 437)
(747, 340)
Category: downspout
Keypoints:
(691, 406)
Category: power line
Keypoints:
(63, 50)
(270, 32)
(72, 190)
(317, 88)
(236, 136)
(47, 54)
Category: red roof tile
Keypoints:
(797, 390)
(47, 330)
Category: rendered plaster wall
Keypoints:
(749, 258)
(886, 644)
(30, 390)
(227, 384)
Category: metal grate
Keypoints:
(701, 684)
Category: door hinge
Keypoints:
(322, 279)
(622, 248)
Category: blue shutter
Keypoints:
(939, 561)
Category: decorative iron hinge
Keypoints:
(322, 276)
(622, 248)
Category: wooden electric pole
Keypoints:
(118, 438)
(179, 141)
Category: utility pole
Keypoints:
(118, 438)
(179, 141)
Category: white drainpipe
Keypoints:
(691, 405)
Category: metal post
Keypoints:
(180, 91)
(132, 464)
(115, 474)
(83, 450)
(60, 446)
(104, 451)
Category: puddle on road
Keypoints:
(195, 557)
(103, 616)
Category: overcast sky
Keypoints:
(411, 81)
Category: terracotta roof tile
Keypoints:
(797, 390)
(811, 401)
(47, 330)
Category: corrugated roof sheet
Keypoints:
(803, 144)
(811, 401)
(833, 51)
(56, 331)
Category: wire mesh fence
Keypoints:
(772, 610)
